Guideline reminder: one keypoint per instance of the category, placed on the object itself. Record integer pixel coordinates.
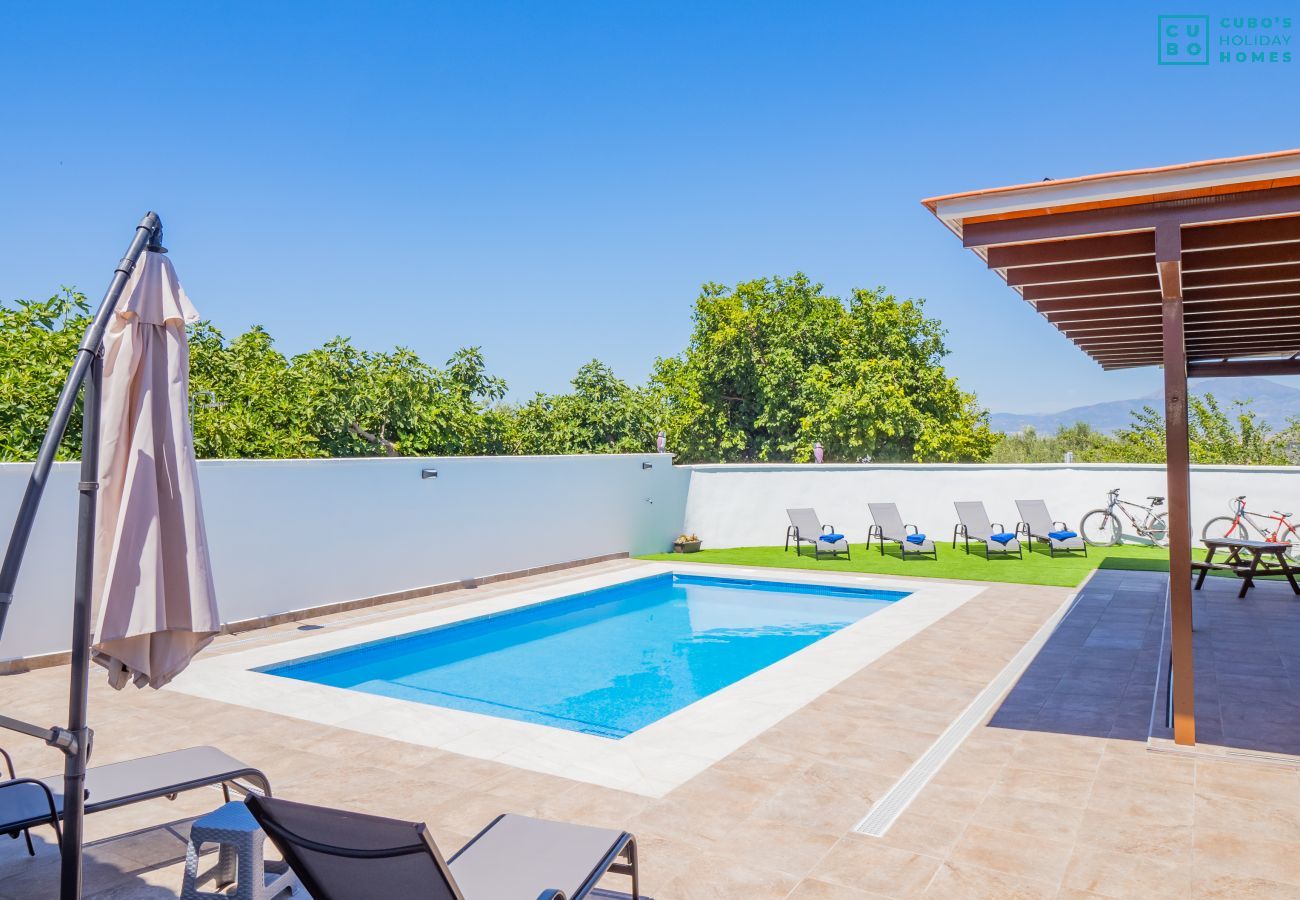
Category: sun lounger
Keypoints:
(349, 855)
(28, 802)
(806, 528)
(973, 525)
(889, 527)
(1036, 523)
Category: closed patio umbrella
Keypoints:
(143, 555)
(153, 579)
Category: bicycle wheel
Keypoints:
(1288, 533)
(1222, 527)
(1100, 528)
(1158, 530)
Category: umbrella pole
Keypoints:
(87, 370)
(74, 760)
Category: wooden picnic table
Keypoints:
(1238, 549)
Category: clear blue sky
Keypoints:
(553, 181)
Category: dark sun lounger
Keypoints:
(28, 802)
(350, 856)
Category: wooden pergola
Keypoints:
(1194, 267)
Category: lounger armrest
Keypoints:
(876, 531)
(552, 894)
(915, 530)
(1060, 526)
(998, 526)
(1023, 528)
(959, 529)
(47, 795)
(828, 529)
(9, 763)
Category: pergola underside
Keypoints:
(1239, 280)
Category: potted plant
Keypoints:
(686, 543)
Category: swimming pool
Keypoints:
(605, 662)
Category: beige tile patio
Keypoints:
(1017, 854)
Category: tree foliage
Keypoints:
(602, 414)
(250, 400)
(1086, 443)
(775, 365)
(1215, 437)
(772, 366)
(38, 342)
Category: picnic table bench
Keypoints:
(1265, 558)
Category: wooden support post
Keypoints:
(1178, 473)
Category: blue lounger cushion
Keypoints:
(832, 538)
(1062, 535)
(916, 538)
(1004, 538)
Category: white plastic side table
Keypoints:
(240, 839)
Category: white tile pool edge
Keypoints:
(652, 761)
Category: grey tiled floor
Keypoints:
(1098, 674)
(1247, 666)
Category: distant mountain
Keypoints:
(1272, 402)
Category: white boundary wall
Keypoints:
(744, 505)
(296, 534)
(288, 535)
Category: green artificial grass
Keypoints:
(1036, 568)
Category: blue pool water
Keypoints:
(605, 662)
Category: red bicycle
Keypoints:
(1242, 522)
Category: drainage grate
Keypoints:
(885, 811)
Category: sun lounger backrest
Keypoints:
(806, 521)
(971, 514)
(350, 856)
(1034, 513)
(887, 517)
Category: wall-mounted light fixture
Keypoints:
(646, 465)
(428, 473)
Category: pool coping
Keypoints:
(651, 761)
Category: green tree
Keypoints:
(772, 366)
(603, 414)
(1028, 446)
(38, 343)
(359, 403)
(1214, 437)
(776, 364)
(244, 398)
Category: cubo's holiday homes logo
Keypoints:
(1184, 40)
(1197, 40)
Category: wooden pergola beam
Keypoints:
(1113, 293)
(1244, 347)
(1237, 368)
(1149, 322)
(1243, 257)
(1288, 326)
(1093, 270)
(1230, 278)
(1101, 339)
(1134, 285)
(1140, 243)
(1283, 201)
(1240, 234)
(1198, 309)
